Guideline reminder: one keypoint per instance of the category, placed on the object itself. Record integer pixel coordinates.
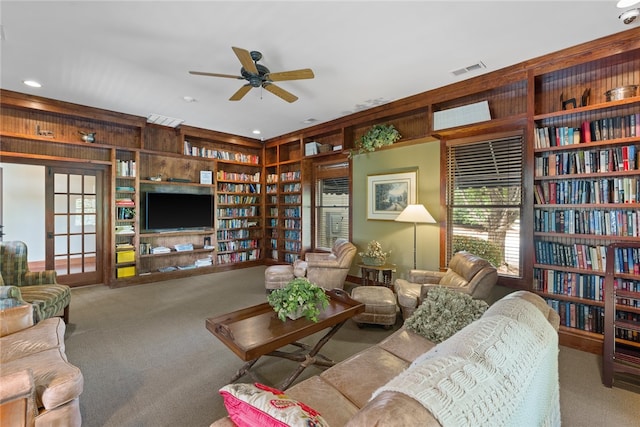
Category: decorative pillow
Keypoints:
(443, 313)
(251, 405)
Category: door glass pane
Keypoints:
(62, 266)
(60, 245)
(89, 263)
(60, 226)
(75, 183)
(75, 225)
(59, 183)
(89, 184)
(89, 223)
(75, 243)
(89, 243)
(60, 203)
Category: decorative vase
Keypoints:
(298, 314)
(367, 260)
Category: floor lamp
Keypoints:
(415, 214)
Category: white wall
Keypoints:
(23, 213)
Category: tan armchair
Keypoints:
(328, 269)
(466, 273)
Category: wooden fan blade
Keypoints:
(245, 59)
(229, 76)
(240, 93)
(278, 91)
(305, 73)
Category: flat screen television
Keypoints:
(178, 211)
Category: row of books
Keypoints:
(241, 233)
(290, 176)
(588, 286)
(291, 223)
(231, 199)
(212, 153)
(125, 202)
(291, 188)
(580, 191)
(623, 158)
(234, 223)
(292, 212)
(627, 285)
(272, 189)
(238, 212)
(290, 257)
(236, 245)
(292, 200)
(231, 258)
(574, 255)
(292, 234)
(238, 188)
(237, 176)
(580, 316)
(272, 178)
(604, 129)
(616, 222)
(292, 246)
(627, 260)
(126, 168)
(273, 212)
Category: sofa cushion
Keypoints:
(42, 336)
(323, 397)
(348, 378)
(57, 381)
(392, 409)
(406, 345)
(15, 317)
(451, 278)
(258, 405)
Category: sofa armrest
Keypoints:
(46, 277)
(425, 276)
(17, 399)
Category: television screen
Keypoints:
(178, 211)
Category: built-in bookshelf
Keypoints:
(586, 189)
(290, 197)
(238, 213)
(126, 214)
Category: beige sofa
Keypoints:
(38, 386)
(343, 393)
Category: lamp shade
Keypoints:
(415, 214)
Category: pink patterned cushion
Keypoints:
(251, 405)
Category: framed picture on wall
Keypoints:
(388, 194)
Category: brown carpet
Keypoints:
(148, 360)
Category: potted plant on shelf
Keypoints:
(298, 298)
(378, 136)
(374, 255)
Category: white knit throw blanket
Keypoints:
(501, 370)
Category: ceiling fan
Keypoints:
(257, 75)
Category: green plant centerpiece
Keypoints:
(374, 255)
(378, 136)
(298, 298)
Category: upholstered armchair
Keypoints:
(38, 288)
(326, 269)
(466, 273)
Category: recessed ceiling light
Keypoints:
(31, 83)
(189, 99)
(256, 132)
(626, 3)
(309, 121)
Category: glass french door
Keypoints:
(73, 222)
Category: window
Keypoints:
(332, 203)
(484, 200)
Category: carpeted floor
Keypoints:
(148, 360)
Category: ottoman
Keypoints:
(380, 305)
(276, 276)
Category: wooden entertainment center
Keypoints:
(263, 192)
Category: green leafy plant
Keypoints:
(443, 313)
(378, 136)
(299, 296)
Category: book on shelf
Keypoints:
(160, 250)
(183, 247)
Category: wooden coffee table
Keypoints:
(256, 331)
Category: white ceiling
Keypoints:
(134, 56)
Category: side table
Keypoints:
(371, 275)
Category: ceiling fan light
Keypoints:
(626, 3)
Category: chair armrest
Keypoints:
(425, 276)
(321, 259)
(46, 277)
(17, 398)
(299, 268)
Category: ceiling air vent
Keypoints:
(157, 119)
(473, 67)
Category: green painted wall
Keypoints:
(398, 236)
